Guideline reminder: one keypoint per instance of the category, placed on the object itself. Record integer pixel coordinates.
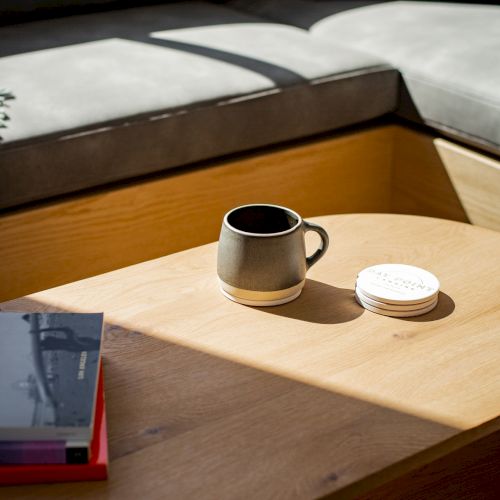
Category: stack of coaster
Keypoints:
(397, 290)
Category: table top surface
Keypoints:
(209, 397)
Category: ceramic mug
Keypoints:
(261, 257)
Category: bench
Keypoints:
(126, 121)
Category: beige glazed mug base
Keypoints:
(261, 299)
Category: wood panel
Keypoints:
(87, 235)
(476, 180)
(211, 398)
(434, 177)
(420, 183)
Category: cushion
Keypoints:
(448, 54)
(116, 95)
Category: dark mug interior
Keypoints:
(262, 219)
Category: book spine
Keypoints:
(43, 452)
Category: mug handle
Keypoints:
(323, 246)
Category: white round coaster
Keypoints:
(398, 284)
(396, 314)
(393, 307)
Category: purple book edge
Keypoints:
(32, 452)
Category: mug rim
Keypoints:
(263, 235)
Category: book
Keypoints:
(49, 372)
(95, 470)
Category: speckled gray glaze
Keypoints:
(266, 261)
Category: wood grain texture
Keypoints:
(72, 239)
(420, 182)
(184, 424)
(468, 473)
(388, 169)
(476, 180)
(210, 398)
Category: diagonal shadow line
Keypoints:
(186, 408)
(206, 409)
(278, 74)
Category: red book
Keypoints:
(95, 470)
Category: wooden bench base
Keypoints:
(383, 169)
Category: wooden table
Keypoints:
(207, 398)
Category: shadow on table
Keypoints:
(320, 303)
(445, 306)
(172, 409)
(327, 304)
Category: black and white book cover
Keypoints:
(49, 369)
